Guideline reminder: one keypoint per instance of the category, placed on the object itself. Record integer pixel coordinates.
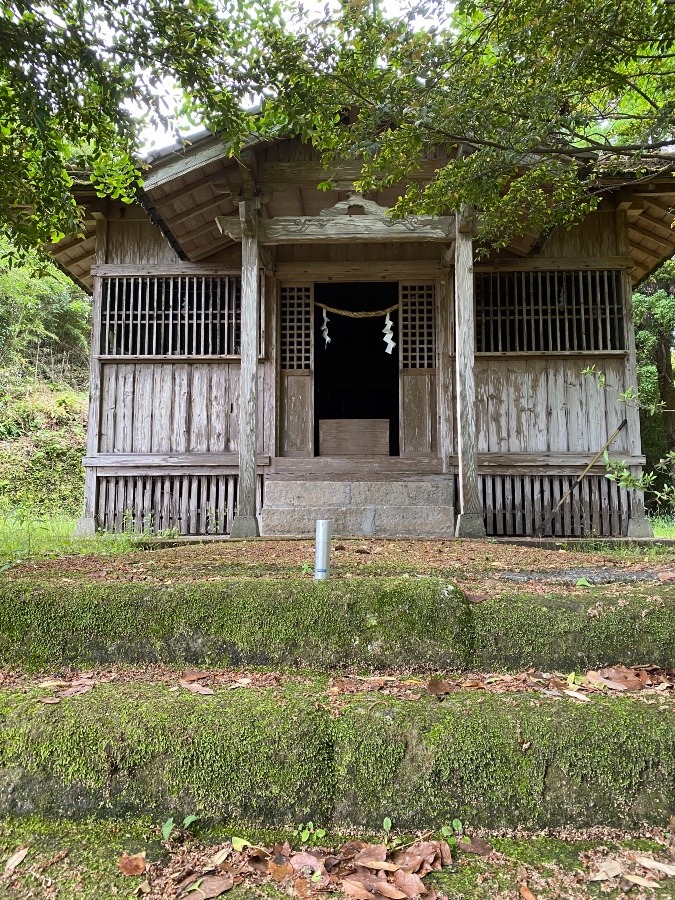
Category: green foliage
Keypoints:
(70, 73)
(42, 442)
(45, 322)
(528, 101)
(169, 827)
(309, 834)
(654, 312)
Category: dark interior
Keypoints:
(354, 378)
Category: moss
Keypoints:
(90, 872)
(422, 624)
(279, 755)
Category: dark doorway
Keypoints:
(354, 378)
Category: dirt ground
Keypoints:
(484, 566)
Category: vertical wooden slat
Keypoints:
(488, 502)
(499, 314)
(567, 507)
(546, 501)
(231, 487)
(586, 507)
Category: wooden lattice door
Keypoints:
(296, 355)
(418, 369)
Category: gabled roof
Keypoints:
(189, 185)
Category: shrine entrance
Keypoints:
(356, 369)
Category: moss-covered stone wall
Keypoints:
(288, 755)
(367, 623)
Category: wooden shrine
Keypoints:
(266, 353)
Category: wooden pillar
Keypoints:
(470, 519)
(86, 524)
(639, 525)
(245, 522)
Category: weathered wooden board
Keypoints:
(419, 414)
(296, 427)
(138, 242)
(354, 437)
(343, 229)
(169, 407)
(594, 237)
(547, 405)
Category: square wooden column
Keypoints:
(470, 520)
(245, 523)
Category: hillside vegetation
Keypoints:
(44, 335)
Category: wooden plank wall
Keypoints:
(532, 404)
(172, 408)
(138, 242)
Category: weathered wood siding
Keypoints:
(531, 404)
(137, 242)
(173, 408)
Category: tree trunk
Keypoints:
(664, 368)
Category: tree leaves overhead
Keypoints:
(525, 97)
(528, 99)
(70, 72)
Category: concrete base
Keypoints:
(385, 507)
(357, 521)
(85, 527)
(470, 525)
(639, 528)
(245, 527)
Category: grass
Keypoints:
(664, 527)
(24, 535)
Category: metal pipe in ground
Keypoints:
(322, 555)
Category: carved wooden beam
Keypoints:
(342, 229)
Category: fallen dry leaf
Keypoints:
(49, 701)
(609, 868)
(371, 852)
(280, 868)
(195, 687)
(213, 886)
(194, 676)
(300, 861)
(219, 858)
(656, 866)
(132, 865)
(380, 865)
(526, 893)
(143, 888)
(411, 884)
(477, 845)
(16, 859)
(638, 879)
(387, 889)
(575, 695)
(440, 688)
(354, 887)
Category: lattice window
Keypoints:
(296, 328)
(187, 315)
(418, 343)
(549, 311)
